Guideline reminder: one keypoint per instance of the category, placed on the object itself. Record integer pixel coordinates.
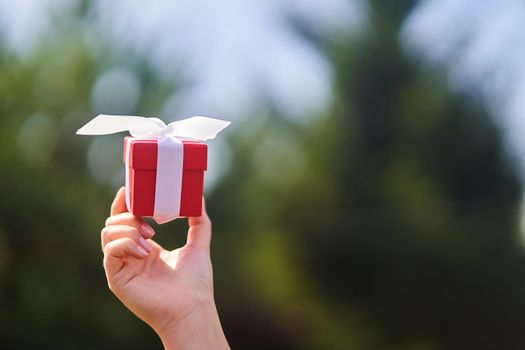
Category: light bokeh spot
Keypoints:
(116, 91)
(104, 160)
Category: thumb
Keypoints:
(199, 233)
(119, 203)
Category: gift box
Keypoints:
(164, 178)
(164, 164)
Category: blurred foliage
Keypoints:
(389, 223)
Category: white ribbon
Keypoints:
(168, 185)
(194, 128)
(170, 151)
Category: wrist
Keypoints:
(199, 328)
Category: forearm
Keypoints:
(201, 329)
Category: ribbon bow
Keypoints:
(194, 128)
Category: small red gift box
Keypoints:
(164, 170)
(159, 183)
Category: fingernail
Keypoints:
(144, 244)
(142, 251)
(148, 231)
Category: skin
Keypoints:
(172, 291)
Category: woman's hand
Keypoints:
(172, 291)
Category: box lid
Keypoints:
(144, 154)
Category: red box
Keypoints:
(142, 172)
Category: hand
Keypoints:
(172, 291)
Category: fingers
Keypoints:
(124, 247)
(119, 203)
(199, 234)
(124, 235)
(129, 219)
(120, 241)
(116, 232)
(127, 225)
(116, 252)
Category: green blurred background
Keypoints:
(367, 195)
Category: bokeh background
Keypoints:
(368, 194)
